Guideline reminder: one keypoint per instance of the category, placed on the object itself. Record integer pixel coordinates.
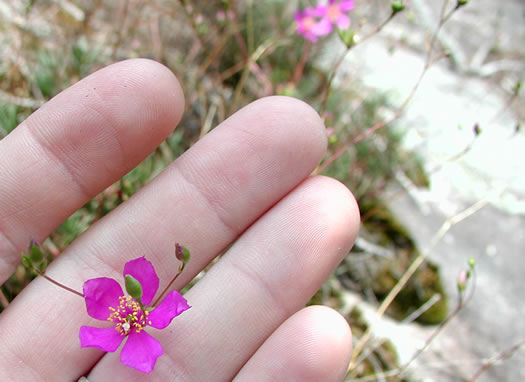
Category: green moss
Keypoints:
(422, 286)
(329, 295)
(385, 355)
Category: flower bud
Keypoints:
(397, 6)
(347, 36)
(462, 281)
(477, 129)
(472, 262)
(461, 3)
(133, 287)
(182, 253)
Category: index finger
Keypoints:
(80, 142)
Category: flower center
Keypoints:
(308, 23)
(333, 12)
(128, 315)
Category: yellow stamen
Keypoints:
(129, 314)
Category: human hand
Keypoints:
(243, 182)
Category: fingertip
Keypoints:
(333, 214)
(327, 344)
(314, 344)
(80, 142)
(292, 119)
(341, 207)
(117, 115)
(151, 85)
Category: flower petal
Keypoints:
(319, 11)
(141, 351)
(100, 294)
(346, 5)
(106, 339)
(343, 22)
(310, 36)
(322, 28)
(169, 308)
(144, 272)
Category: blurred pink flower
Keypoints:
(336, 12)
(311, 23)
(106, 301)
(319, 21)
(222, 16)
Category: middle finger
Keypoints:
(204, 200)
(268, 274)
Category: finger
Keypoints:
(267, 275)
(204, 200)
(314, 344)
(80, 142)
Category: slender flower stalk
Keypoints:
(183, 255)
(36, 260)
(429, 61)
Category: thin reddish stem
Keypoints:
(168, 286)
(60, 285)
(428, 63)
(299, 67)
(326, 91)
(501, 356)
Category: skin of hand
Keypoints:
(246, 182)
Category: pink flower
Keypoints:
(310, 23)
(319, 21)
(106, 301)
(336, 12)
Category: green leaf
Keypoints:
(42, 266)
(8, 118)
(133, 287)
(26, 261)
(35, 253)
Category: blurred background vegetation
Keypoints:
(227, 54)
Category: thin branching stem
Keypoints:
(460, 306)
(507, 353)
(298, 71)
(168, 286)
(193, 23)
(246, 71)
(429, 61)
(119, 29)
(447, 225)
(335, 69)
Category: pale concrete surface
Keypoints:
(487, 42)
